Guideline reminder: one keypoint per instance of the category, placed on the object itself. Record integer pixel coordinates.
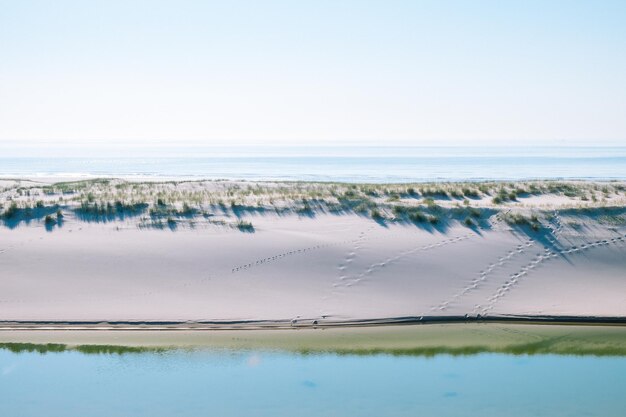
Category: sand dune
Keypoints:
(96, 272)
(304, 269)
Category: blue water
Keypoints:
(249, 383)
(351, 164)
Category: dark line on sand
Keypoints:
(301, 323)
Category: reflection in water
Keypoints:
(129, 381)
(87, 349)
(550, 345)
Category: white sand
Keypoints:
(323, 268)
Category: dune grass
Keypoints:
(187, 202)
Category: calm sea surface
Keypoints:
(253, 383)
(351, 164)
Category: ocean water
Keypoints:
(257, 383)
(346, 164)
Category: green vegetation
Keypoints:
(193, 202)
(414, 214)
(11, 211)
(470, 192)
(517, 219)
(504, 195)
(417, 217)
(110, 209)
(86, 349)
(33, 347)
(376, 215)
(244, 226)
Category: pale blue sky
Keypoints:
(300, 72)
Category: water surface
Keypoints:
(222, 382)
(349, 164)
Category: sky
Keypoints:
(388, 72)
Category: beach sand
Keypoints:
(315, 269)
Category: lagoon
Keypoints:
(566, 371)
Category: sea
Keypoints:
(370, 164)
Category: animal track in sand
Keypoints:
(349, 258)
(482, 275)
(357, 242)
(349, 281)
(528, 268)
(281, 256)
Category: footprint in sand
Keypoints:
(372, 268)
(280, 256)
(349, 258)
(482, 275)
(548, 254)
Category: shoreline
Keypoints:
(304, 323)
(52, 179)
(397, 340)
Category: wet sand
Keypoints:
(467, 338)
